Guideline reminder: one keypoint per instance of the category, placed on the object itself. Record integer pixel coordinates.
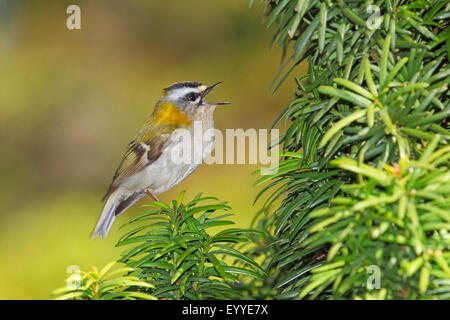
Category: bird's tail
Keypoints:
(117, 202)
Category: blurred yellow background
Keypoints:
(71, 101)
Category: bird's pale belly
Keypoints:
(167, 171)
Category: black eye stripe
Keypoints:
(191, 96)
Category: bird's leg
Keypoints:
(151, 195)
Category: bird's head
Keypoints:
(189, 96)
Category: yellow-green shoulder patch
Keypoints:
(169, 114)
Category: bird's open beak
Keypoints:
(207, 90)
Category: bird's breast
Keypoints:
(187, 150)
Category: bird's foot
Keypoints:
(151, 195)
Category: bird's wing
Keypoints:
(146, 148)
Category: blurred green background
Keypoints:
(71, 100)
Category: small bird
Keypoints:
(148, 166)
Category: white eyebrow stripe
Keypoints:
(181, 92)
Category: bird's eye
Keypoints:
(192, 96)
